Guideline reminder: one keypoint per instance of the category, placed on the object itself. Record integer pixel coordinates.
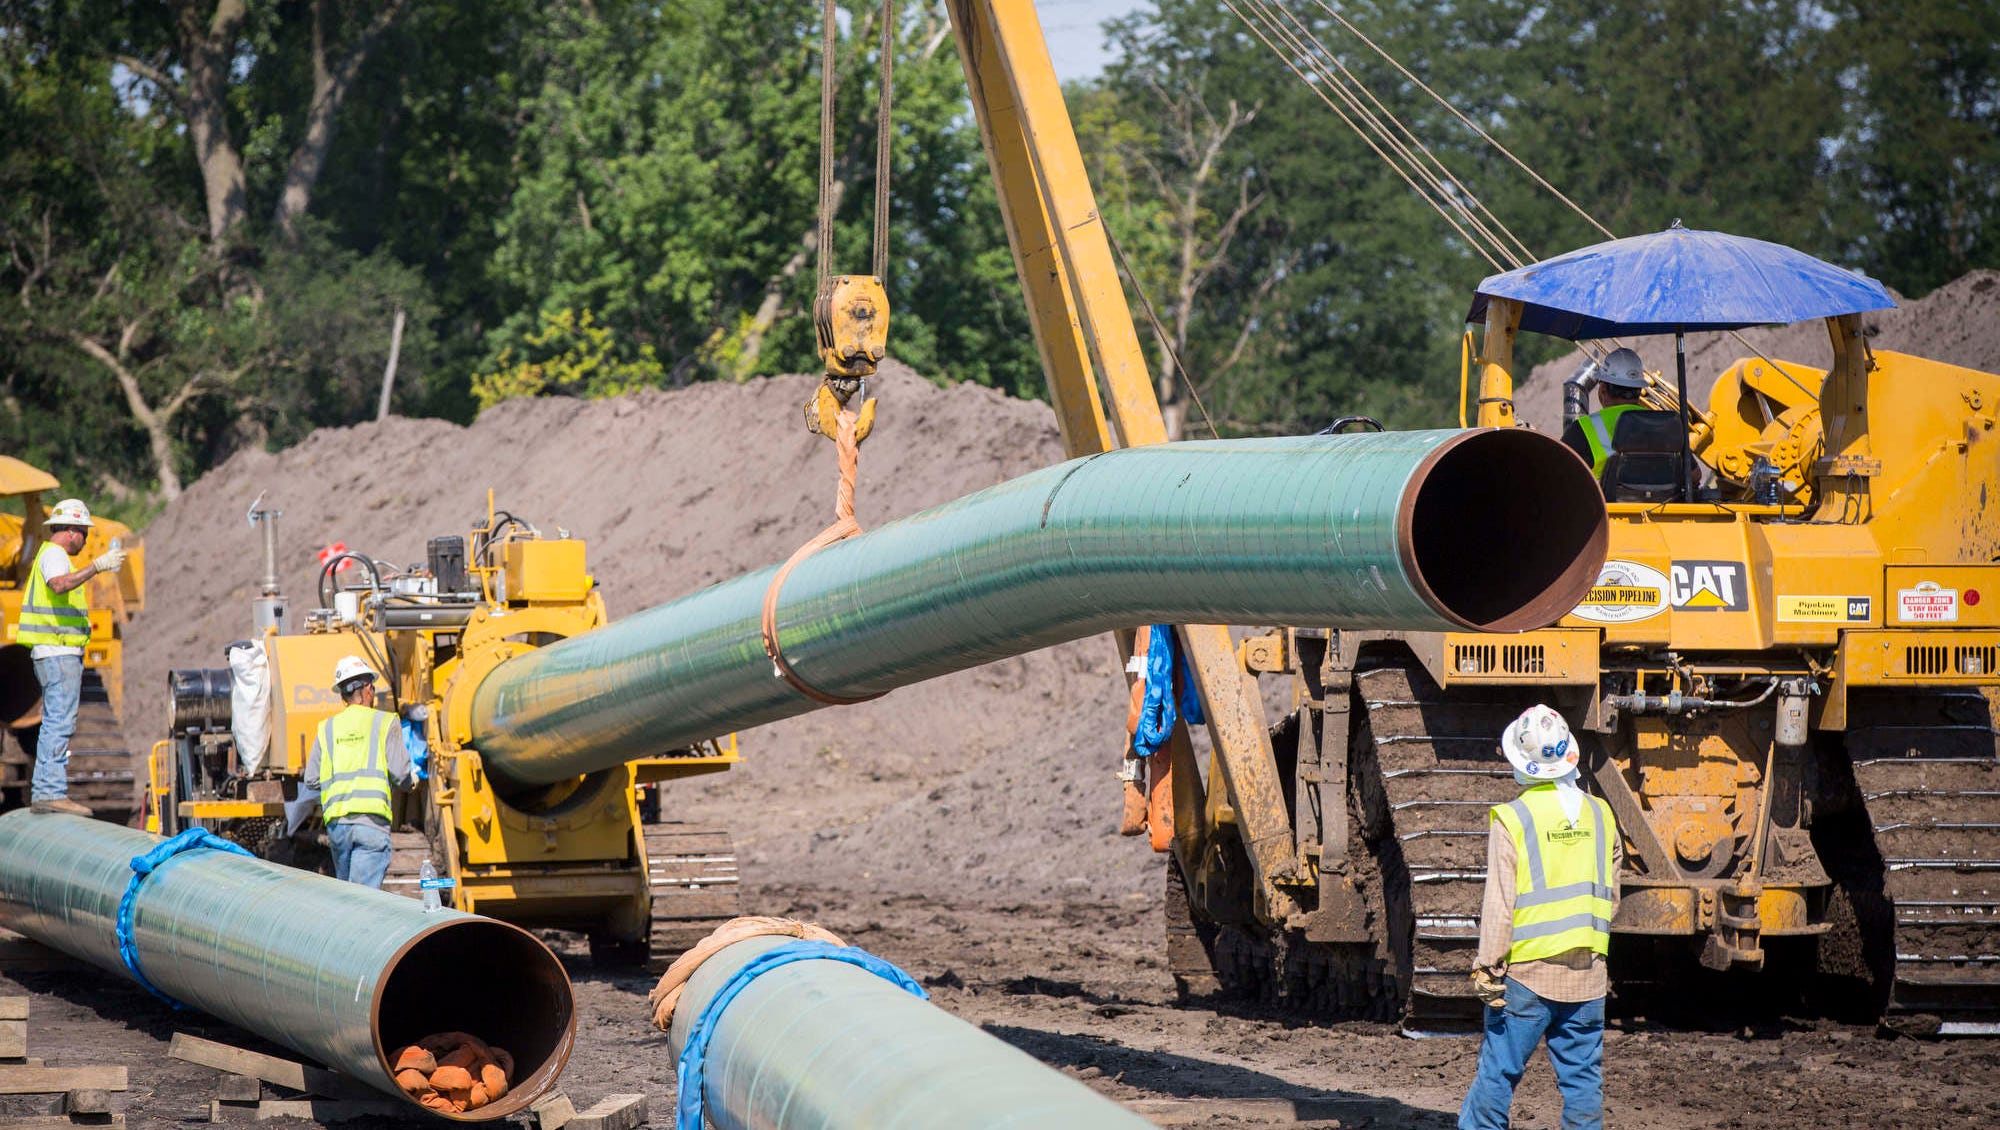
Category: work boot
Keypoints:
(61, 804)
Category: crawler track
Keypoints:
(1927, 771)
(691, 871)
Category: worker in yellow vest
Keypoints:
(55, 626)
(1552, 861)
(1621, 378)
(357, 758)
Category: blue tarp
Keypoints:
(1678, 280)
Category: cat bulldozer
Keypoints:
(101, 767)
(1778, 682)
(589, 854)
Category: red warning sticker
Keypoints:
(1928, 603)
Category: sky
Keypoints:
(1072, 27)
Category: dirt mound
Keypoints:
(1958, 323)
(996, 779)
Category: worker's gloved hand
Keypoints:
(110, 561)
(1489, 987)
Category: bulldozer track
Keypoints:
(1438, 760)
(691, 873)
(1927, 772)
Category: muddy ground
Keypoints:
(1079, 983)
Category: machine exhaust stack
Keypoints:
(1492, 529)
(268, 610)
(332, 970)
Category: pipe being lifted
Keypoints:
(332, 970)
(822, 1045)
(1493, 529)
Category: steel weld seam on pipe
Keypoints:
(822, 1045)
(335, 971)
(1495, 529)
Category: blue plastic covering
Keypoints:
(194, 839)
(689, 1071)
(1167, 686)
(1678, 280)
(418, 749)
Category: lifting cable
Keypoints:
(845, 426)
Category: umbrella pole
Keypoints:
(1684, 492)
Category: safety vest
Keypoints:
(1563, 874)
(51, 617)
(1598, 428)
(354, 763)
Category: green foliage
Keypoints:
(570, 355)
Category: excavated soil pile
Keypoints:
(1958, 323)
(995, 780)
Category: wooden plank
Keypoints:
(60, 1121)
(270, 1068)
(612, 1112)
(552, 1111)
(24, 955)
(239, 1089)
(54, 1080)
(13, 1008)
(13, 1039)
(330, 1110)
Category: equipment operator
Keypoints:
(1552, 861)
(55, 624)
(356, 759)
(1620, 379)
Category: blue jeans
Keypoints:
(360, 851)
(61, 677)
(1575, 1034)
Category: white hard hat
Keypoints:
(1622, 369)
(351, 669)
(71, 512)
(1538, 745)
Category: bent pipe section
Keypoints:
(335, 971)
(822, 1045)
(1495, 529)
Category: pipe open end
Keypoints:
(1503, 529)
(492, 980)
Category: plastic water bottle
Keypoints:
(427, 880)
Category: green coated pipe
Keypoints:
(821, 1045)
(1495, 529)
(335, 971)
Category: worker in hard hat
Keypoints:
(1620, 379)
(357, 758)
(1552, 859)
(55, 625)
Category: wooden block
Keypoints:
(270, 1068)
(87, 1102)
(54, 1080)
(60, 1121)
(23, 955)
(13, 1039)
(613, 1112)
(552, 1111)
(239, 1089)
(331, 1110)
(13, 1008)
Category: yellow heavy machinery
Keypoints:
(101, 768)
(1780, 691)
(589, 854)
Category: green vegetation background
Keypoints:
(210, 210)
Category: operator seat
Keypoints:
(1645, 457)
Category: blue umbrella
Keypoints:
(1676, 281)
(1673, 282)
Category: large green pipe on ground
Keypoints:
(336, 971)
(821, 1045)
(1496, 529)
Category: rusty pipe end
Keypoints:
(491, 979)
(1502, 529)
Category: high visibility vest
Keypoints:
(354, 763)
(1564, 872)
(51, 617)
(1598, 428)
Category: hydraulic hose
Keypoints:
(1493, 529)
